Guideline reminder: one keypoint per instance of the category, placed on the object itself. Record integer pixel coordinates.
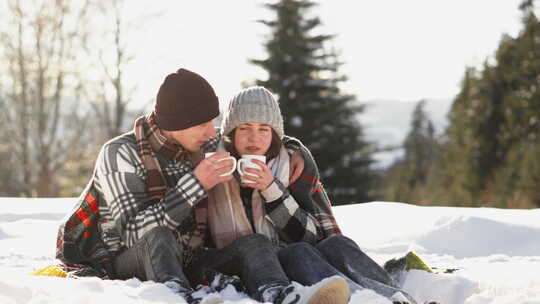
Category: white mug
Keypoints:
(245, 162)
(206, 155)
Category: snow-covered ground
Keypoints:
(497, 252)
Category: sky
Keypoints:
(496, 253)
(395, 53)
(392, 50)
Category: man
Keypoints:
(147, 184)
(150, 187)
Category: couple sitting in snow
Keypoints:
(156, 209)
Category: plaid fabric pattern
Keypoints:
(133, 172)
(303, 213)
(294, 223)
(149, 139)
(137, 185)
(78, 243)
(309, 192)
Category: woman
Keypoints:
(234, 248)
(296, 218)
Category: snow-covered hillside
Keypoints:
(497, 253)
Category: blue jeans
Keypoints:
(251, 257)
(337, 255)
(157, 256)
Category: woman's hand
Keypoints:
(263, 178)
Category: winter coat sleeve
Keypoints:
(123, 185)
(293, 223)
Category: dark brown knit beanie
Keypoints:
(184, 100)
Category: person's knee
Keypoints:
(160, 235)
(162, 256)
(336, 241)
(300, 256)
(252, 243)
(296, 250)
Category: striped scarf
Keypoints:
(149, 141)
(227, 217)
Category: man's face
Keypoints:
(252, 138)
(192, 138)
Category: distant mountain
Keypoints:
(387, 122)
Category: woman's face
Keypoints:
(252, 138)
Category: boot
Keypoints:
(332, 290)
(200, 296)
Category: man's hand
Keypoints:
(296, 166)
(210, 169)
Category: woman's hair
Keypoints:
(273, 151)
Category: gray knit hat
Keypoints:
(254, 104)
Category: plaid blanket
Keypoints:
(79, 246)
(309, 193)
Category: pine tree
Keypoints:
(457, 169)
(303, 72)
(518, 60)
(476, 121)
(420, 145)
(407, 177)
(493, 134)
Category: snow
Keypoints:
(496, 251)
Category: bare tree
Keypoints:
(112, 93)
(111, 104)
(41, 41)
(8, 175)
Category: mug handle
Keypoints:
(239, 166)
(233, 167)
